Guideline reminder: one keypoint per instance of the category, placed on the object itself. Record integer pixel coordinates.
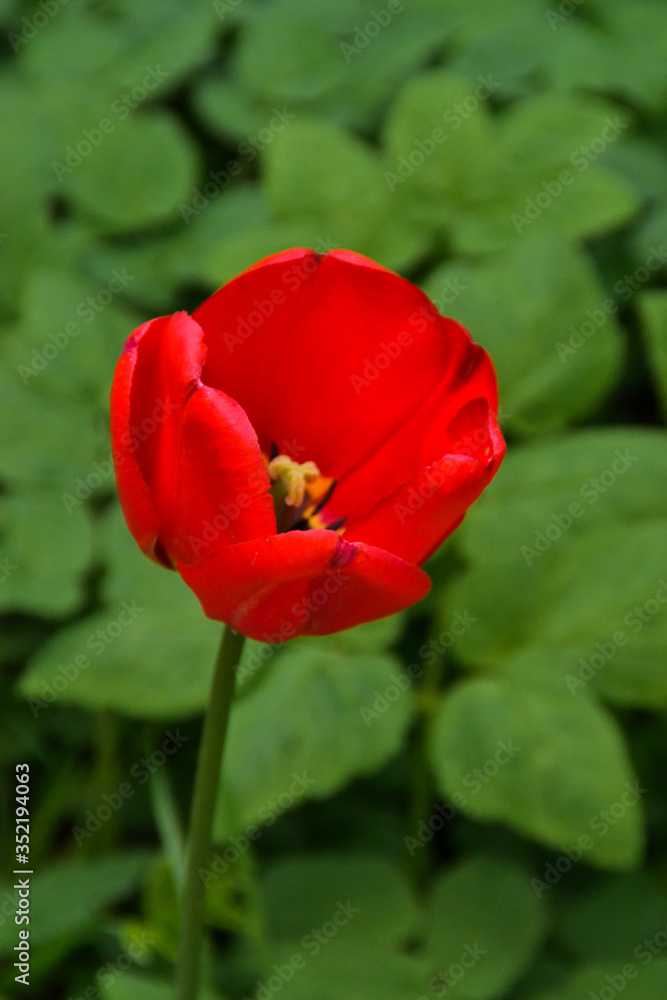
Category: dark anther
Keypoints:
(326, 498)
(274, 451)
(337, 524)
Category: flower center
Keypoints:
(300, 494)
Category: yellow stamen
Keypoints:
(292, 477)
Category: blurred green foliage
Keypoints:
(465, 801)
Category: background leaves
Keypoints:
(510, 159)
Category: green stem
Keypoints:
(203, 810)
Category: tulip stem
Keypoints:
(203, 810)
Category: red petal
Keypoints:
(302, 583)
(135, 498)
(414, 520)
(198, 452)
(426, 436)
(323, 328)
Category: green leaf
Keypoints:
(64, 441)
(446, 169)
(220, 236)
(558, 350)
(643, 35)
(69, 897)
(543, 478)
(137, 174)
(71, 333)
(525, 189)
(509, 44)
(603, 623)
(148, 655)
(373, 637)
(485, 920)
(485, 181)
(133, 986)
(299, 733)
(611, 919)
(223, 260)
(589, 57)
(302, 893)
(550, 766)
(321, 177)
(315, 171)
(537, 489)
(344, 967)
(636, 980)
(653, 310)
(285, 58)
(228, 111)
(591, 203)
(26, 236)
(46, 550)
(113, 51)
(575, 525)
(650, 237)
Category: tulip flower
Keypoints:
(296, 449)
(303, 442)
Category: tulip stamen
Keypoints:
(291, 488)
(289, 479)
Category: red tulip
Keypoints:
(302, 442)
